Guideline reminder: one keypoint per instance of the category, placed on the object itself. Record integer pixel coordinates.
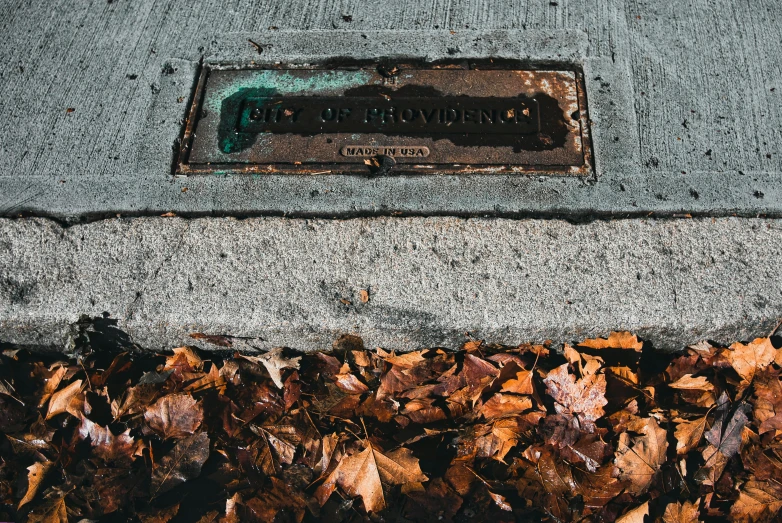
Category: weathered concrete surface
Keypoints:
(685, 99)
(296, 282)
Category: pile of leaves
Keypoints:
(608, 430)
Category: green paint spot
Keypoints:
(228, 100)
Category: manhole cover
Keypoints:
(436, 119)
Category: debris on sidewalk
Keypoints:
(607, 430)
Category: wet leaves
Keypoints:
(599, 431)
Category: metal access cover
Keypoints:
(436, 119)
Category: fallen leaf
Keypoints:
(274, 362)
(183, 463)
(185, 359)
(105, 444)
(175, 416)
(438, 502)
(501, 405)
(583, 399)
(686, 512)
(616, 340)
(750, 358)
(638, 459)
(759, 501)
(363, 473)
(522, 384)
(52, 510)
(635, 515)
(687, 382)
(688, 434)
(35, 475)
(61, 400)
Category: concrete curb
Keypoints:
(430, 281)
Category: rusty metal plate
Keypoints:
(441, 119)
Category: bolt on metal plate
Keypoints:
(436, 119)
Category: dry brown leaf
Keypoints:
(759, 501)
(175, 416)
(350, 384)
(105, 444)
(687, 382)
(61, 400)
(686, 512)
(184, 356)
(616, 340)
(750, 358)
(52, 378)
(183, 463)
(501, 405)
(522, 384)
(635, 515)
(274, 362)
(52, 510)
(35, 475)
(407, 359)
(363, 473)
(639, 458)
(159, 516)
(582, 399)
(688, 434)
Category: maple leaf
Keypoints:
(638, 459)
(175, 416)
(616, 340)
(65, 400)
(686, 512)
(583, 400)
(750, 358)
(275, 362)
(364, 473)
(181, 464)
(759, 501)
(35, 475)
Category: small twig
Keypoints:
(776, 328)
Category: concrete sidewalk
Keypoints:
(429, 281)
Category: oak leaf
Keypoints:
(35, 476)
(582, 400)
(639, 458)
(175, 416)
(183, 463)
(364, 473)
